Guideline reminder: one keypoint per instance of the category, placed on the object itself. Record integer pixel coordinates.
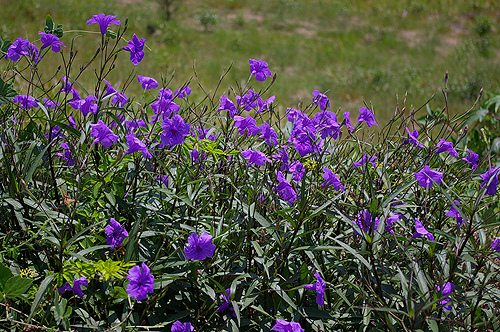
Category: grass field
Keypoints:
(366, 51)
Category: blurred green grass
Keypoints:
(359, 51)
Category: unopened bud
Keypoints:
(463, 131)
(120, 153)
(275, 75)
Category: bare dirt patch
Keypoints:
(412, 37)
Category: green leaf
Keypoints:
(433, 325)
(49, 24)
(354, 252)
(5, 274)
(35, 164)
(58, 32)
(60, 309)
(110, 34)
(477, 115)
(39, 294)
(495, 145)
(316, 313)
(119, 292)
(4, 46)
(16, 286)
(493, 104)
(7, 93)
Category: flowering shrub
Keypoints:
(232, 215)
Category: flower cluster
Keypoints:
(77, 286)
(296, 171)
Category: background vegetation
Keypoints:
(276, 226)
(373, 51)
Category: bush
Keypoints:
(170, 210)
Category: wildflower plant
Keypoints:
(227, 204)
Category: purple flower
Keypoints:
(268, 134)
(182, 327)
(250, 100)
(34, 53)
(284, 326)
(199, 247)
(27, 102)
(303, 144)
(472, 158)
(141, 282)
(86, 105)
(330, 128)
(67, 85)
(283, 157)
(258, 68)
(135, 144)
(72, 121)
(392, 219)
(321, 100)
(55, 133)
(104, 21)
(119, 99)
(49, 40)
(298, 170)
(66, 155)
(412, 138)
(196, 157)
(454, 214)
(183, 93)
(77, 286)
(327, 125)
(227, 302)
(227, 105)
(255, 157)
(50, 103)
(22, 47)
(331, 179)
(116, 233)
(365, 160)
(496, 245)
(366, 222)
(147, 82)
(367, 116)
(284, 189)
(304, 125)
(248, 124)
(323, 117)
(202, 133)
(490, 177)
(421, 231)
(397, 202)
(293, 114)
(265, 104)
(174, 130)
(165, 179)
(348, 121)
(446, 146)
(426, 177)
(135, 47)
(165, 103)
(17, 49)
(76, 96)
(447, 290)
(319, 287)
(132, 125)
(103, 134)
